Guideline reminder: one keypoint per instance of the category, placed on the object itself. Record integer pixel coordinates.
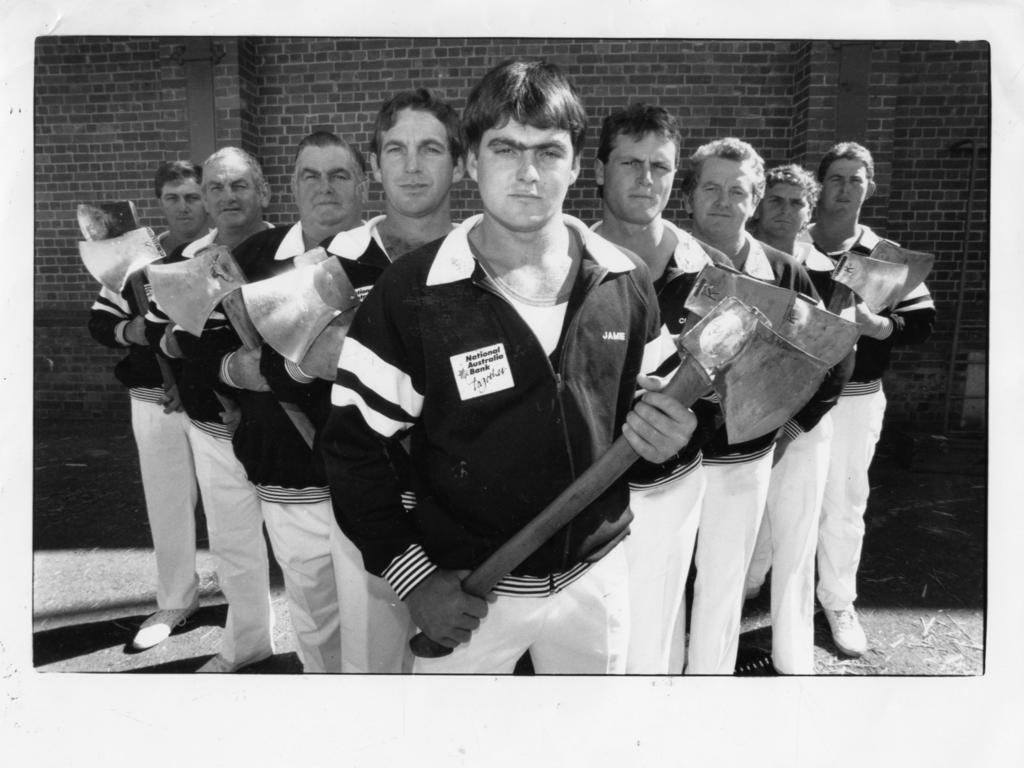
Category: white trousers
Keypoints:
(234, 522)
(169, 486)
(857, 424)
(658, 550)
(729, 519)
(300, 537)
(787, 542)
(582, 630)
(375, 623)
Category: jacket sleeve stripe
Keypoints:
(372, 375)
(407, 570)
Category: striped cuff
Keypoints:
(119, 334)
(792, 430)
(224, 375)
(297, 373)
(407, 570)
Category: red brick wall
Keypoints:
(97, 140)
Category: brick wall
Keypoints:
(95, 140)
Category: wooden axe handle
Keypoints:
(234, 308)
(689, 383)
(141, 304)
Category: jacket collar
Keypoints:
(688, 255)
(809, 256)
(868, 239)
(210, 237)
(352, 243)
(292, 245)
(454, 260)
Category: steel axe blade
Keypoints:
(103, 221)
(822, 334)
(291, 309)
(884, 277)
(188, 291)
(113, 260)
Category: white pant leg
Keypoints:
(375, 623)
(586, 629)
(658, 551)
(857, 425)
(761, 559)
(169, 485)
(301, 540)
(791, 515)
(729, 520)
(235, 526)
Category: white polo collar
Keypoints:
(757, 264)
(292, 245)
(208, 239)
(352, 243)
(454, 260)
(688, 256)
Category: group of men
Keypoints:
(489, 364)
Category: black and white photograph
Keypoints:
(441, 383)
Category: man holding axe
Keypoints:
(416, 155)
(235, 194)
(637, 158)
(507, 353)
(788, 536)
(274, 437)
(846, 173)
(159, 424)
(723, 182)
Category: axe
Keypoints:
(188, 291)
(884, 277)
(291, 310)
(116, 251)
(821, 334)
(730, 343)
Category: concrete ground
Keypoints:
(922, 579)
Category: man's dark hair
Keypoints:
(534, 93)
(847, 150)
(425, 101)
(173, 172)
(328, 139)
(794, 174)
(636, 121)
(729, 148)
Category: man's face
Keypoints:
(723, 199)
(415, 167)
(182, 205)
(638, 177)
(784, 212)
(231, 195)
(523, 174)
(329, 189)
(845, 188)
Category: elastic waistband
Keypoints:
(278, 494)
(540, 586)
(147, 394)
(676, 474)
(854, 388)
(220, 431)
(739, 458)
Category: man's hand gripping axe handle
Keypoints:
(722, 335)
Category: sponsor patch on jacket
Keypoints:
(361, 291)
(482, 371)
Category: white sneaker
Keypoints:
(847, 633)
(159, 626)
(218, 665)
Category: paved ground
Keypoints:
(922, 577)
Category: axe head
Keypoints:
(761, 378)
(291, 309)
(188, 291)
(103, 221)
(311, 257)
(113, 260)
(818, 332)
(766, 385)
(886, 276)
(715, 283)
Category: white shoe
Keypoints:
(218, 665)
(847, 633)
(159, 626)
